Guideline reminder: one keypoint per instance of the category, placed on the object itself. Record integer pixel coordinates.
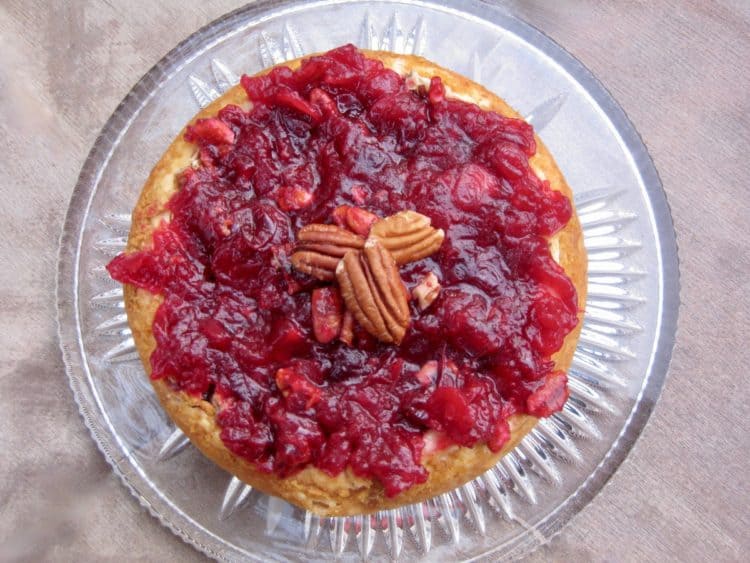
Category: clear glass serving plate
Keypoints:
(619, 366)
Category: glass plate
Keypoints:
(619, 366)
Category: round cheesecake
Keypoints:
(356, 280)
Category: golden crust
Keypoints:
(311, 488)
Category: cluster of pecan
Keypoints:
(366, 268)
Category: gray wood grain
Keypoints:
(680, 70)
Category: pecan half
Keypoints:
(374, 292)
(320, 247)
(408, 236)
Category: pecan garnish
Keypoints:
(408, 236)
(373, 291)
(367, 270)
(320, 247)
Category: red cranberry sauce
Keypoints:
(237, 320)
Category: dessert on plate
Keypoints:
(355, 280)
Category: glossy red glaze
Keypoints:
(338, 140)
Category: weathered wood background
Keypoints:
(681, 70)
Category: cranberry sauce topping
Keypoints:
(237, 321)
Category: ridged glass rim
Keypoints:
(68, 317)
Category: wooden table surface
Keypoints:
(681, 70)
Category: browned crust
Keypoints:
(311, 488)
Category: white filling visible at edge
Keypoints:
(163, 216)
(420, 80)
